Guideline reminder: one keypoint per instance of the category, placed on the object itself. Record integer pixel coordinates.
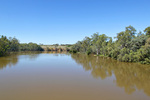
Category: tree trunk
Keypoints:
(97, 51)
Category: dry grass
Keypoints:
(54, 48)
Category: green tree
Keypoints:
(4, 45)
(147, 31)
(86, 43)
(127, 47)
(14, 44)
(99, 41)
(137, 42)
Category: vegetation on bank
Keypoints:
(8, 45)
(57, 47)
(129, 46)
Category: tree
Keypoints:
(127, 47)
(124, 37)
(147, 31)
(137, 42)
(14, 44)
(4, 45)
(131, 31)
(94, 39)
(98, 42)
(86, 43)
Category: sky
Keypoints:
(67, 21)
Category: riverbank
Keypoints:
(55, 48)
(129, 46)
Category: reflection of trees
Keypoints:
(130, 76)
(13, 58)
(57, 53)
(31, 54)
(8, 61)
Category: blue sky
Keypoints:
(67, 21)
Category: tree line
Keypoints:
(8, 45)
(129, 46)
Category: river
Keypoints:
(64, 76)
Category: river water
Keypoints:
(64, 76)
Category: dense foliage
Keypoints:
(129, 46)
(13, 45)
(30, 47)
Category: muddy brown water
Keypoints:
(64, 76)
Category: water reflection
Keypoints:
(13, 59)
(130, 76)
(8, 61)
